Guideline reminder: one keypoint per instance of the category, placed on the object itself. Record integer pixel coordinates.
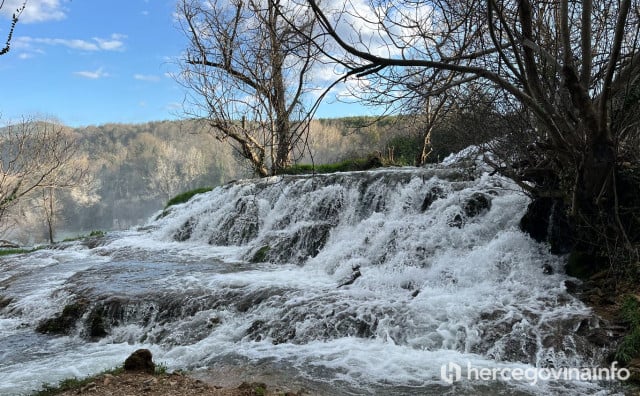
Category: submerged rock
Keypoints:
(354, 275)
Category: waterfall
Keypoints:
(365, 281)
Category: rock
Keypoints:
(5, 301)
(65, 321)
(457, 221)
(476, 204)
(571, 286)
(150, 381)
(547, 269)
(4, 244)
(434, 193)
(599, 337)
(354, 275)
(89, 386)
(140, 360)
(546, 221)
(96, 323)
(261, 255)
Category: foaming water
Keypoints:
(354, 283)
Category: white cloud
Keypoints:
(172, 106)
(36, 10)
(146, 77)
(114, 43)
(93, 75)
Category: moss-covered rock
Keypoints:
(65, 321)
(260, 255)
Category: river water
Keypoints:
(352, 283)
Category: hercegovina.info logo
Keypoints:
(452, 372)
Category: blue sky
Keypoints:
(90, 62)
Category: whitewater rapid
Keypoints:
(361, 283)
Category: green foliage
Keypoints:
(92, 234)
(405, 149)
(161, 369)
(354, 164)
(260, 390)
(629, 348)
(8, 252)
(630, 311)
(74, 383)
(185, 196)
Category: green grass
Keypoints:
(92, 234)
(7, 252)
(73, 383)
(629, 348)
(78, 383)
(185, 196)
(355, 164)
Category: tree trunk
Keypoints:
(49, 213)
(594, 208)
(283, 152)
(427, 148)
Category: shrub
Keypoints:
(629, 348)
(185, 196)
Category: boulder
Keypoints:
(434, 193)
(476, 204)
(64, 322)
(546, 221)
(140, 361)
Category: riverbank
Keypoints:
(175, 384)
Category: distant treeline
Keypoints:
(137, 168)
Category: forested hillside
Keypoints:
(135, 168)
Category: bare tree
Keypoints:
(12, 27)
(572, 65)
(73, 179)
(35, 158)
(248, 71)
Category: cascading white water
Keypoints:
(364, 282)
